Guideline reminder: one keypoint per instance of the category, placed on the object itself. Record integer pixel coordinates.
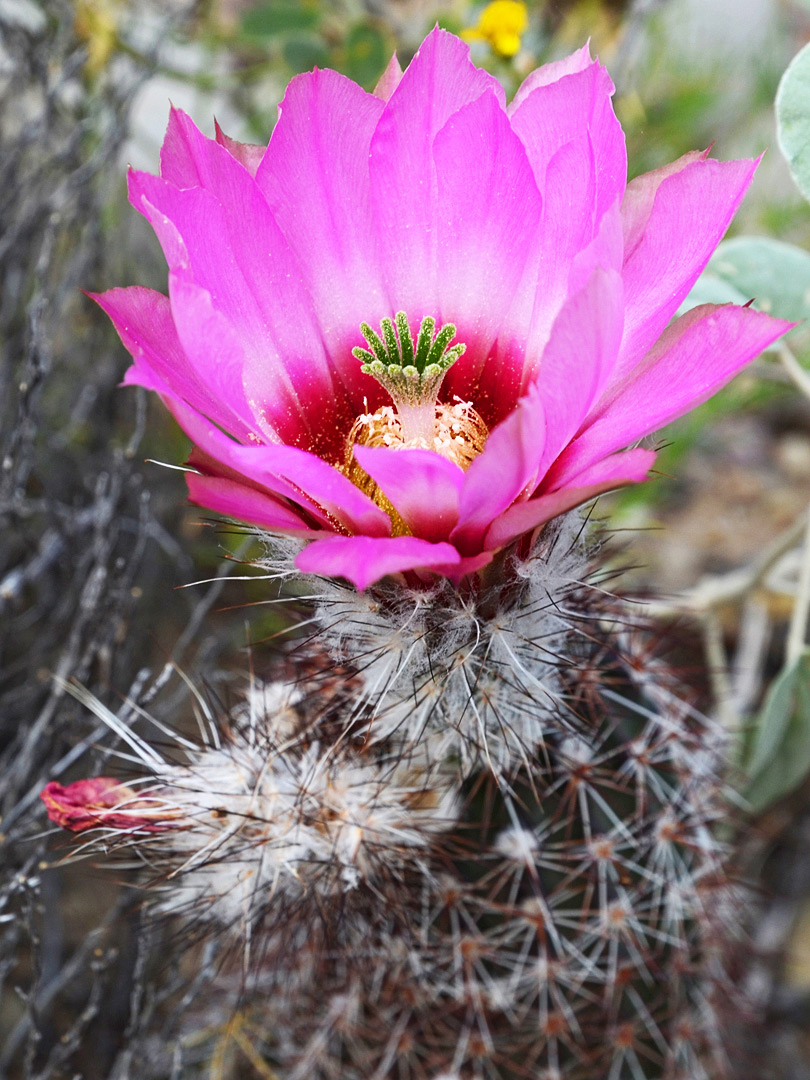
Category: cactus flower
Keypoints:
(422, 323)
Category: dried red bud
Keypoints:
(104, 802)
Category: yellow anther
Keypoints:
(459, 434)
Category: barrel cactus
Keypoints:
(468, 829)
(480, 844)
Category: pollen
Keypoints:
(459, 434)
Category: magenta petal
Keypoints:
(225, 239)
(506, 469)
(234, 500)
(248, 155)
(193, 229)
(177, 159)
(640, 195)
(691, 211)
(423, 486)
(579, 357)
(364, 559)
(694, 357)
(548, 280)
(629, 467)
(564, 111)
(315, 179)
(576, 149)
(322, 483)
(144, 322)
(483, 175)
(199, 325)
(140, 374)
(551, 73)
(438, 82)
(283, 364)
(467, 564)
(216, 454)
(286, 470)
(389, 80)
(489, 211)
(605, 251)
(566, 230)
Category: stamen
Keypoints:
(459, 434)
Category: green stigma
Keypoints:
(411, 372)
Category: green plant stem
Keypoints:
(797, 634)
(798, 376)
(717, 665)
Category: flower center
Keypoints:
(412, 373)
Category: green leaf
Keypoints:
(367, 53)
(778, 757)
(272, 19)
(793, 118)
(304, 54)
(775, 275)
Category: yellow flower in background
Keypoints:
(501, 24)
(96, 24)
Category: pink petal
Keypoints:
(695, 356)
(224, 467)
(243, 503)
(576, 148)
(577, 105)
(225, 240)
(523, 339)
(489, 210)
(287, 471)
(629, 467)
(423, 486)
(389, 80)
(551, 73)
(579, 357)
(248, 155)
(467, 564)
(506, 469)
(364, 559)
(211, 343)
(213, 385)
(605, 251)
(178, 164)
(438, 82)
(691, 211)
(315, 179)
(640, 195)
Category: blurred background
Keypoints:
(106, 575)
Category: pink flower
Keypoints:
(548, 282)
